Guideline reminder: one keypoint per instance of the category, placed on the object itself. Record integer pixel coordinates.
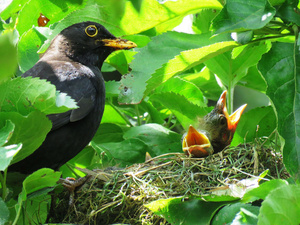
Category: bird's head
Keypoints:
(88, 43)
(216, 130)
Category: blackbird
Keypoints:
(72, 63)
(216, 130)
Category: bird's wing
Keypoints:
(73, 79)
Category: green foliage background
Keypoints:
(166, 87)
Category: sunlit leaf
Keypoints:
(24, 95)
(183, 87)
(161, 13)
(28, 46)
(54, 11)
(8, 57)
(165, 56)
(187, 60)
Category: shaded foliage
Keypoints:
(162, 87)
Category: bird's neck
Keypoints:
(65, 50)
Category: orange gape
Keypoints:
(215, 131)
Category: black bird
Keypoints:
(72, 63)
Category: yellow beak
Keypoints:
(119, 43)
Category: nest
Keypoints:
(118, 195)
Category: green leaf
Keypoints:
(276, 2)
(219, 198)
(36, 208)
(24, 95)
(140, 40)
(6, 132)
(30, 130)
(108, 132)
(281, 206)
(120, 60)
(156, 56)
(254, 80)
(187, 60)
(7, 154)
(112, 88)
(110, 115)
(180, 211)
(185, 88)
(42, 178)
(243, 37)
(123, 153)
(207, 83)
(288, 12)
(186, 112)
(160, 50)
(281, 72)
(202, 20)
(4, 212)
(160, 14)
(240, 14)
(231, 67)
(255, 123)
(118, 17)
(8, 57)
(155, 115)
(28, 46)
(238, 213)
(263, 190)
(14, 7)
(158, 138)
(82, 160)
(54, 11)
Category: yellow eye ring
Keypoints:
(91, 30)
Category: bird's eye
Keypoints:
(91, 31)
(223, 120)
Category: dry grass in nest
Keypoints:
(118, 195)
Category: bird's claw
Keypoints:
(73, 185)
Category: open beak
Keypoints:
(196, 143)
(234, 118)
(118, 43)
